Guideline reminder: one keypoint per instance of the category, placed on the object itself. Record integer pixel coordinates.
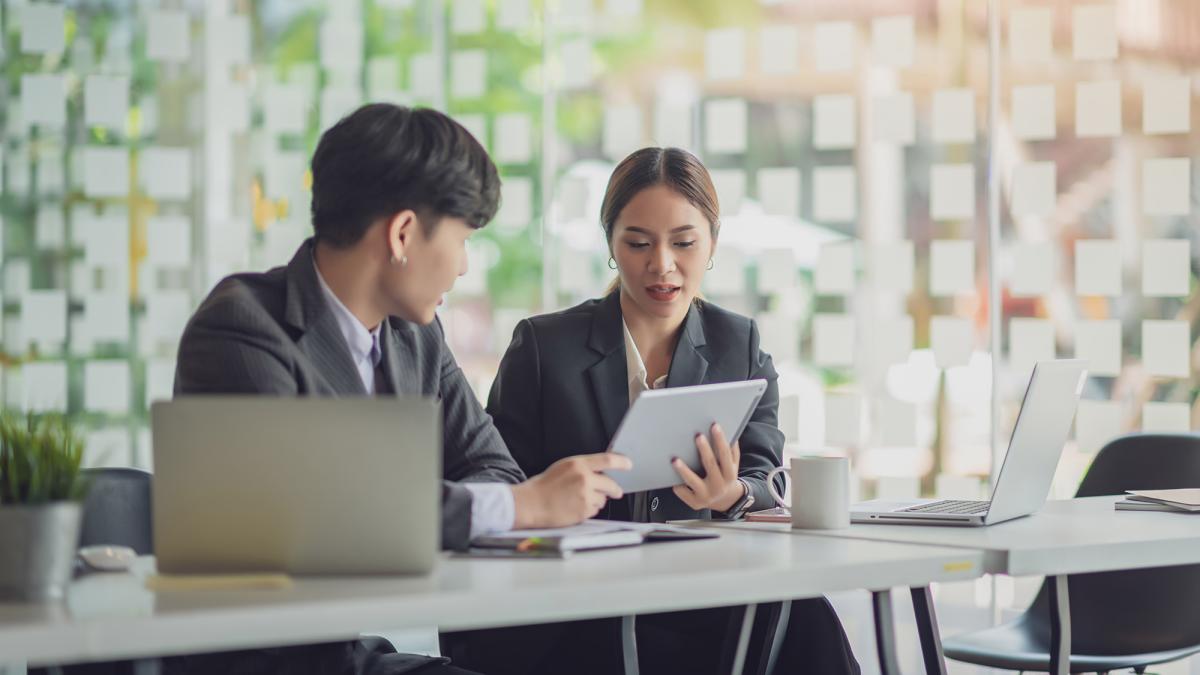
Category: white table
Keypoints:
(111, 617)
(1073, 536)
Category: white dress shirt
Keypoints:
(492, 507)
(636, 368)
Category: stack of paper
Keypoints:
(1185, 500)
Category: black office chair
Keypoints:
(117, 509)
(1119, 620)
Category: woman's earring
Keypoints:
(710, 263)
(403, 260)
(612, 263)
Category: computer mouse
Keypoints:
(108, 558)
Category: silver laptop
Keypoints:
(296, 485)
(1043, 424)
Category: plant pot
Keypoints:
(37, 550)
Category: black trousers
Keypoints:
(368, 656)
(692, 642)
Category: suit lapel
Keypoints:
(398, 341)
(322, 340)
(609, 376)
(688, 365)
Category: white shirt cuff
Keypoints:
(492, 508)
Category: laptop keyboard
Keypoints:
(953, 506)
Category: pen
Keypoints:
(529, 544)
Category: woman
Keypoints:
(569, 377)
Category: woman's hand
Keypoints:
(719, 489)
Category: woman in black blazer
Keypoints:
(568, 378)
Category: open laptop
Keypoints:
(296, 485)
(1043, 424)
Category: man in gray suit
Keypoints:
(396, 193)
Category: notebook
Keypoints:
(1131, 505)
(590, 534)
(1187, 499)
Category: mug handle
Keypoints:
(779, 500)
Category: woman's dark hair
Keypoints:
(382, 159)
(677, 169)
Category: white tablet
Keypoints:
(663, 423)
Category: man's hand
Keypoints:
(569, 492)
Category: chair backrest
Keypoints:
(117, 509)
(1137, 611)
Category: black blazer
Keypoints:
(273, 333)
(562, 389)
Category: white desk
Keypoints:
(1072, 536)
(113, 617)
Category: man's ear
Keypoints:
(401, 229)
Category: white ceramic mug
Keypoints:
(820, 492)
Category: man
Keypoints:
(396, 193)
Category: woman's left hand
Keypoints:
(719, 489)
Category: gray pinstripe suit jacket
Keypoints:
(273, 333)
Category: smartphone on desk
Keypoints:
(775, 515)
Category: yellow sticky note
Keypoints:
(836, 43)
(833, 339)
(1094, 32)
(843, 419)
(622, 131)
(952, 264)
(889, 266)
(950, 337)
(1097, 423)
(834, 122)
(779, 190)
(1030, 35)
(1166, 417)
(725, 126)
(1166, 267)
(1098, 267)
(779, 50)
(835, 194)
(1034, 189)
(1166, 348)
(1167, 186)
(834, 274)
(953, 191)
(894, 119)
(1030, 341)
(1033, 116)
(1099, 343)
(1098, 109)
(1033, 269)
(218, 582)
(731, 189)
(725, 54)
(892, 41)
(1167, 104)
(953, 116)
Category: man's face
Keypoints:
(416, 288)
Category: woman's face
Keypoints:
(662, 245)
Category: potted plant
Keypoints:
(40, 511)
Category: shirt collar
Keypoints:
(635, 367)
(363, 343)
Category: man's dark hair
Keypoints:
(383, 158)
